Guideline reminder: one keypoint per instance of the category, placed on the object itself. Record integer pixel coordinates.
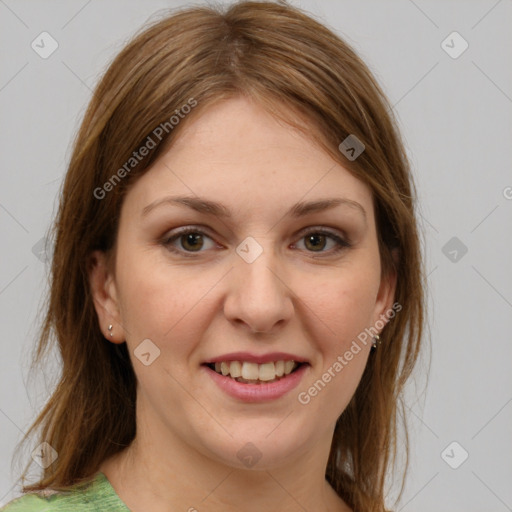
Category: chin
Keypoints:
(259, 447)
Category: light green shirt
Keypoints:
(99, 496)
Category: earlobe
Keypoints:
(104, 294)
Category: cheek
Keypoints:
(168, 306)
(343, 305)
(345, 309)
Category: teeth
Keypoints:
(250, 371)
(235, 369)
(244, 371)
(288, 367)
(267, 371)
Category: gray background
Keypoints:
(456, 117)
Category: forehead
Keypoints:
(237, 153)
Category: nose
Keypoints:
(259, 297)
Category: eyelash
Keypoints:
(341, 243)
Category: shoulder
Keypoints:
(35, 502)
(95, 497)
(28, 503)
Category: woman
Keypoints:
(236, 283)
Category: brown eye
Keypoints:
(187, 241)
(318, 242)
(315, 242)
(191, 241)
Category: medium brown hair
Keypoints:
(302, 73)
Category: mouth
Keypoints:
(248, 372)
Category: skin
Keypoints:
(296, 297)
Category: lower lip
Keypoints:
(258, 392)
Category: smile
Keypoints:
(252, 373)
(249, 377)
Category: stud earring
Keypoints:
(376, 341)
(110, 330)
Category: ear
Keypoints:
(386, 294)
(104, 293)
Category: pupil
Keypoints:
(311, 238)
(193, 238)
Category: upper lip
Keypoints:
(256, 358)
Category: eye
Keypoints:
(190, 239)
(316, 240)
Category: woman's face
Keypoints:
(266, 276)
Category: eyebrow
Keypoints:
(214, 208)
